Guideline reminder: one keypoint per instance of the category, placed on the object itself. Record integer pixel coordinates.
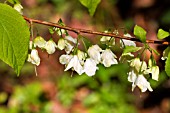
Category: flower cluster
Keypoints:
(87, 62)
(138, 71)
(50, 46)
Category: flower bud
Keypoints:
(40, 42)
(50, 47)
(33, 57)
(18, 7)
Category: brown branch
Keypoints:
(78, 31)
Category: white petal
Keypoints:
(68, 47)
(81, 55)
(136, 63)
(108, 58)
(60, 31)
(40, 42)
(94, 53)
(142, 83)
(65, 59)
(144, 66)
(75, 63)
(105, 38)
(61, 44)
(126, 57)
(71, 39)
(33, 57)
(132, 76)
(90, 67)
(50, 47)
(127, 43)
(18, 7)
(155, 73)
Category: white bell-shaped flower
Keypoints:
(138, 65)
(138, 80)
(18, 7)
(61, 44)
(142, 83)
(60, 31)
(126, 57)
(40, 42)
(132, 76)
(105, 38)
(68, 47)
(64, 44)
(74, 63)
(65, 59)
(154, 70)
(71, 39)
(33, 57)
(124, 42)
(94, 53)
(81, 55)
(90, 67)
(50, 46)
(108, 58)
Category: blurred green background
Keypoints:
(56, 91)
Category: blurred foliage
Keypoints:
(26, 99)
(107, 90)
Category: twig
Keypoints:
(78, 31)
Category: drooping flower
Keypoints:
(50, 46)
(140, 66)
(108, 58)
(68, 47)
(64, 44)
(108, 40)
(75, 64)
(136, 75)
(142, 83)
(126, 57)
(60, 31)
(138, 80)
(40, 42)
(61, 44)
(94, 53)
(71, 39)
(65, 59)
(124, 42)
(154, 70)
(18, 7)
(33, 57)
(81, 56)
(90, 67)
(105, 38)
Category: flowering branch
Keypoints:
(78, 31)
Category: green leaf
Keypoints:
(165, 53)
(167, 65)
(14, 38)
(13, 1)
(140, 33)
(162, 34)
(129, 49)
(91, 5)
